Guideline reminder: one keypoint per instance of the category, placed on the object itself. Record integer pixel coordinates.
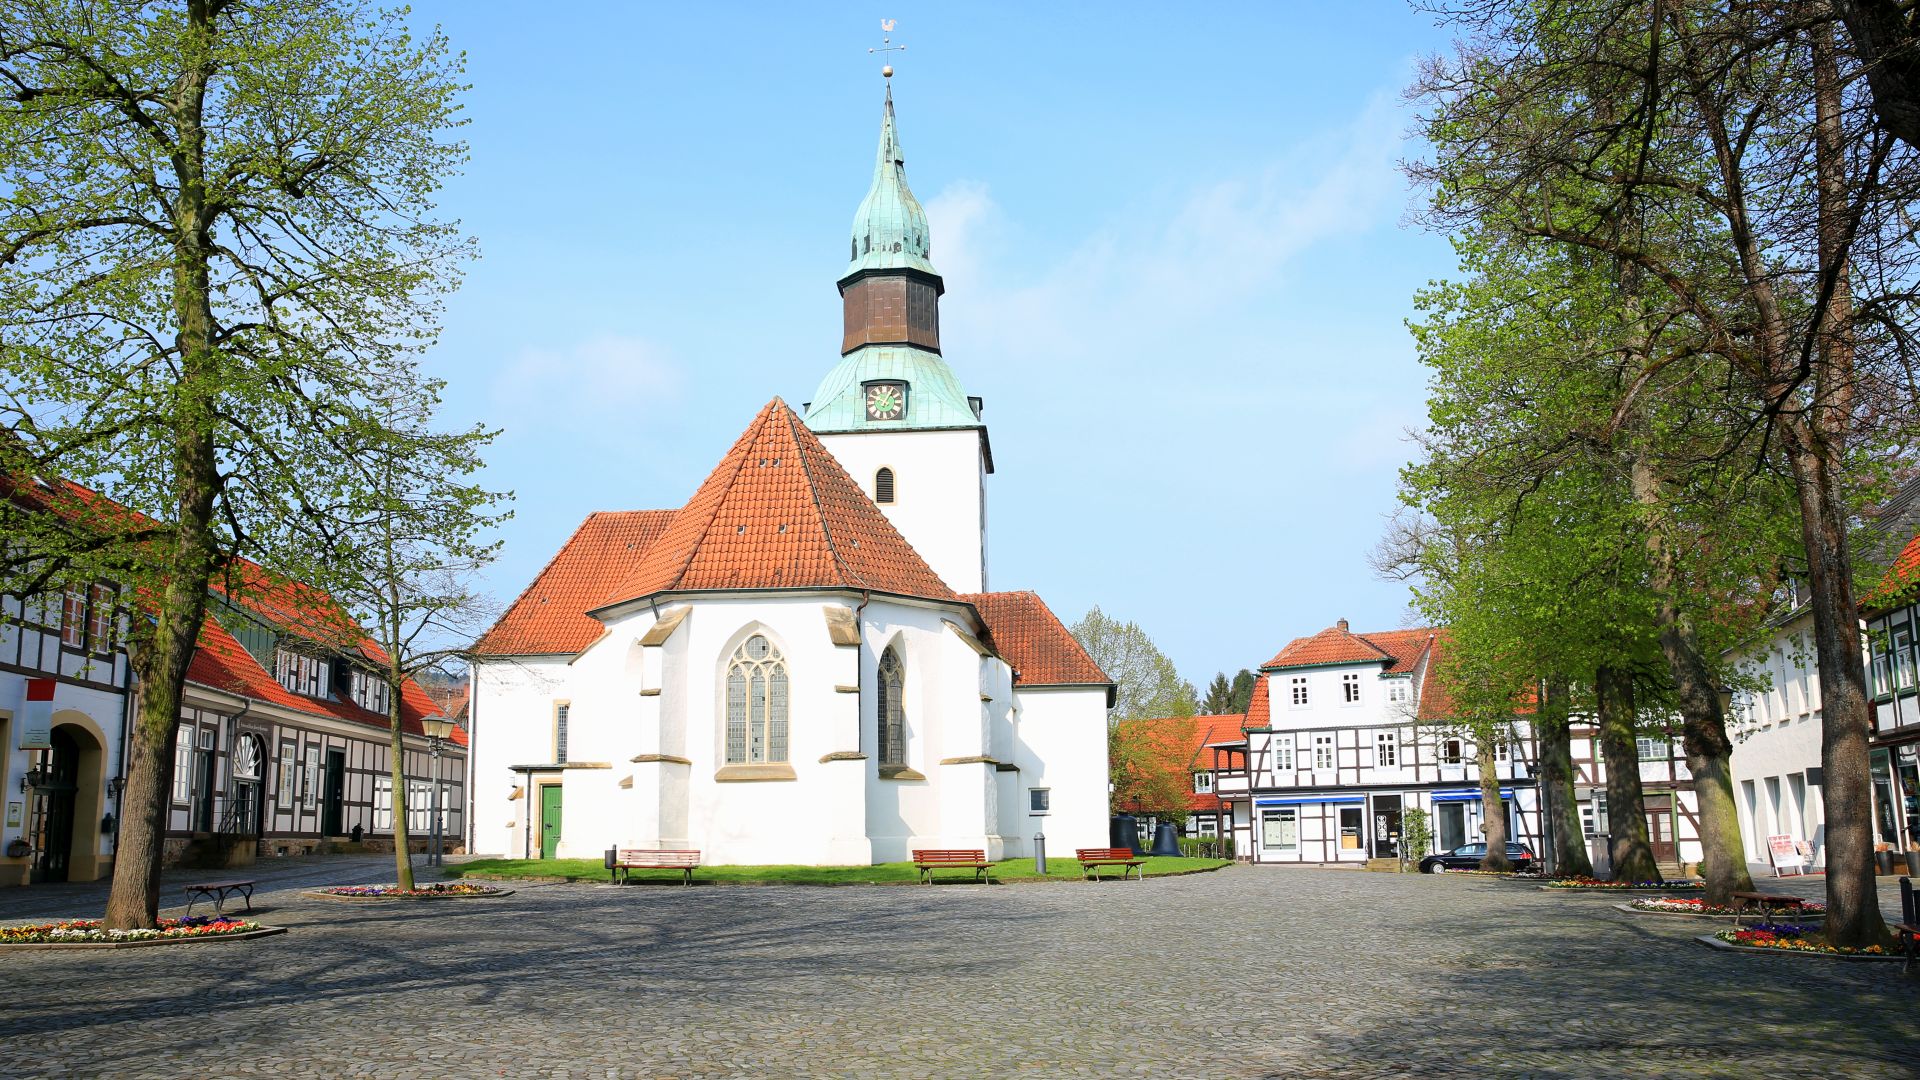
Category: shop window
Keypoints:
(1280, 828)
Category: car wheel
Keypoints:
(1436, 868)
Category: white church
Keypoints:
(802, 664)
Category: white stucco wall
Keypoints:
(1060, 743)
(1776, 736)
(963, 722)
(939, 494)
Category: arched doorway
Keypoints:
(67, 802)
(247, 767)
(54, 799)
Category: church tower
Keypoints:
(892, 411)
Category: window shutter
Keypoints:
(883, 486)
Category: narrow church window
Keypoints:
(756, 704)
(893, 712)
(883, 485)
(560, 717)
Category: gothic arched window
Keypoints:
(893, 711)
(756, 704)
(883, 485)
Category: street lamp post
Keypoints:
(438, 729)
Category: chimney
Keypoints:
(1342, 624)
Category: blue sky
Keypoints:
(1175, 243)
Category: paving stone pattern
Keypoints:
(1243, 973)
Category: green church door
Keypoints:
(549, 820)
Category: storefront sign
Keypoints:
(36, 718)
(1786, 856)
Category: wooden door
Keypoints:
(549, 820)
(1660, 828)
(334, 804)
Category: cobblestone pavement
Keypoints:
(1242, 973)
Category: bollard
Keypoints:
(1040, 853)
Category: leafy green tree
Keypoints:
(217, 243)
(1730, 156)
(1147, 683)
(1226, 698)
(1219, 699)
(1150, 765)
(402, 555)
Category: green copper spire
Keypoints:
(890, 228)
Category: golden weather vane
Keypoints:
(887, 45)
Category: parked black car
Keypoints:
(1468, 858)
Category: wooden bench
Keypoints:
(627, 860)
(927, 860)
(218, 891)
(1093, 858)
(1766, 902)
(1907, 930)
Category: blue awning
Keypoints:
(1466, 795)
(1304, 799)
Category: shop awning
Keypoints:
(1304, 799)
(1466, 795)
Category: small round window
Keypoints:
(757, 647)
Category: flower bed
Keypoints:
(1799, 939)
(1693, 905)
(439, 890)
(90, 933)
(1578, 883)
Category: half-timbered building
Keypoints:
(1892, 612)
(1346, 732)
(63, 706)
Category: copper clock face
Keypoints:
(886, 401)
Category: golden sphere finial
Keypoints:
(886, 71)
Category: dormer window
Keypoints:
(369, 691)
(302, 674)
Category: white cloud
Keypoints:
(1152, 274)
(596, 379)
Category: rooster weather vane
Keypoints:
(887, 45)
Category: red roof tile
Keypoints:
(222, 663)
(1259, 708)
(1435, 702)
(1399, 649)
(1032, 639)
(1899, 581)
(780, 512)
(551, 615)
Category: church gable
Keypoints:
(779, 512)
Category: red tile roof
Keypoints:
(1034, 642)
(222, 663)
(551, 615)
(1899, 581)
(1259, 708)
(780, 512)
(1399, 649)
(1435, 703)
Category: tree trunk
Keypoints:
(1568, 857)
(161, 659)
(1814, 440)
(1853, 906)
(397, 768)
(1631, 854)
(1703, 725)
(1493, 812)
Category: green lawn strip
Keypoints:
(595, 870)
